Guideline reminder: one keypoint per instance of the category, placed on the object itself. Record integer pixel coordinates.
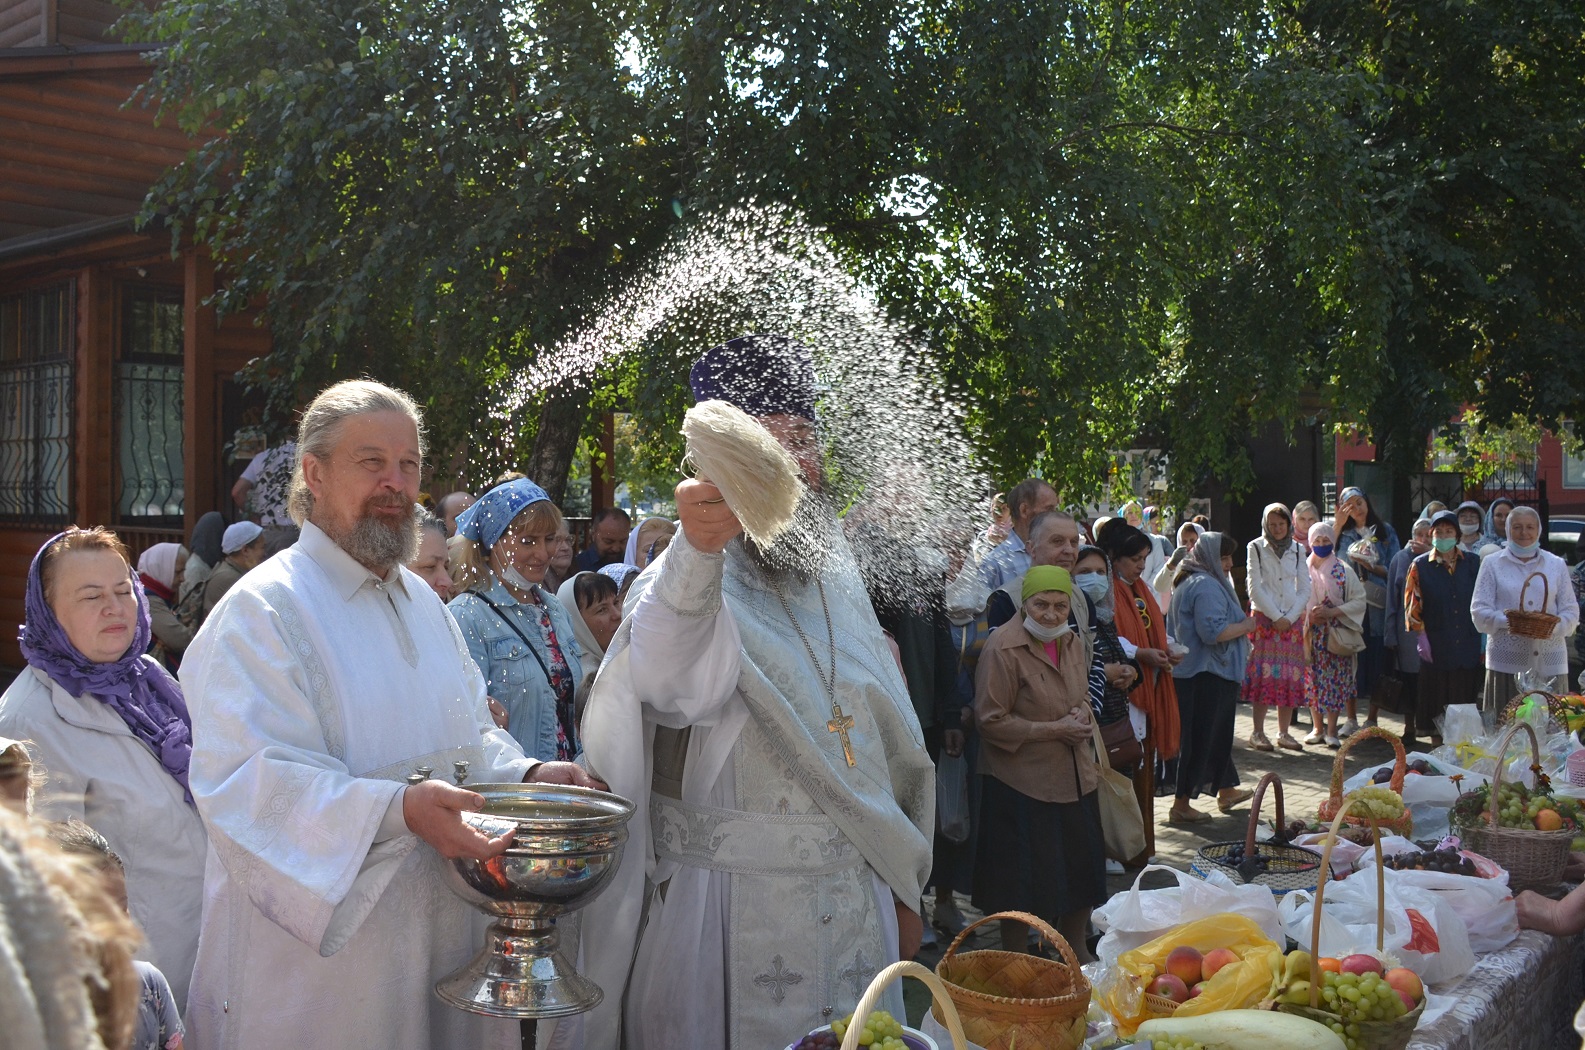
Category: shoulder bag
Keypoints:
(1122, 825)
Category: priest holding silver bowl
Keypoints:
(325, 690)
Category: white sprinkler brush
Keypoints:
(737, 455)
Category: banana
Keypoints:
(1297, 964)
(1297, 993)
(1245, 1030)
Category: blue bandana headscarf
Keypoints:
(764, 375)
(618, 572)
(488, 519)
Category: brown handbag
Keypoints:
(1123, 750)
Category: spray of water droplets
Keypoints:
(900, 468)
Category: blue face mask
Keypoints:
(1094, 585)
(1322, 550)
(1524, 551)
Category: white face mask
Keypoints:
(512, 578)
(1468, 528)
(1041, 633)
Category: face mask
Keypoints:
(1094, 585)
(1468, 528)
(1322, 550)
(512, 578)
(1444, 543)
(1041, 633)
(1526, 551)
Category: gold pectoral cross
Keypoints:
(840, 726)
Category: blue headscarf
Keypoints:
(618, 572)
(488, 519)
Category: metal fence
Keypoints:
(37, 337)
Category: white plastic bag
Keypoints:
(1429, 799)
(952, 797)
(1422, 930)
(1485, 906)
(1139, 915)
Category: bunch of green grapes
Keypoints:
(881, 1031)
(1357, 998)
(1176, 1044)
(1376, 802)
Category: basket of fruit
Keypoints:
(1560, 718)
(1008, 999)
(1364, 1004)
(1533, 623)
(1399, 823)
(1524, 830)
(877, 1029)
(1277, 865)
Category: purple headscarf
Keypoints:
(135, 687)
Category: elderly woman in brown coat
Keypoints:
(1040, 847)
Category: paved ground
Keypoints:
(1306, 782)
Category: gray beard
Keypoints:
(379, 546)
(800, 554)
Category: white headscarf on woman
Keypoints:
(1323, 583)
(580, 629)
(159, 562)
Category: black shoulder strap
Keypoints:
(517, 631)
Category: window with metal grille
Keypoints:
(148, 407)
(37, 355)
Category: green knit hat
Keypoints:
(1047, 578)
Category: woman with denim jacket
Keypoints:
(516, 631)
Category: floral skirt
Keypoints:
(1275, 674)
(1328, 678)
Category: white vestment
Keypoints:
(776, 861)
(315, 688)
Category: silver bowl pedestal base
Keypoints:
(520, 972)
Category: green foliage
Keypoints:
(1119, 224)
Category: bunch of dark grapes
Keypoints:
(1447, 861)
(1235, 858)
(825, 1040)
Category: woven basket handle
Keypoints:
(1556, 709)
(1502, 754)
(1320, 893)
(1546, 591)
(1034, 922)
(1400, 765)
(877, 988)
(1254, 811)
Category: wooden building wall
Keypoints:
(75, 167)
(44, 23)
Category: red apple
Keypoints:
(1408, 1000)
(1171, 987)
(1361, 964)
(1215, 959)
(1196, 990)
(1406, 982)
(1186, 965)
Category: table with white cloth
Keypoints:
(1520, 998)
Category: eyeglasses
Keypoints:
(1144, 616)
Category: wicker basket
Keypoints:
(1557, 712)
(1533, 623)
(1535, 859)
(945, 1012)
(1003, 997)
(1330, 807)
(1290, 867)
(1373, 1035)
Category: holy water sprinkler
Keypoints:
(760, 481)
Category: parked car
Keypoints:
(1563, 538)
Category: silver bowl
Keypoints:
(566, 844)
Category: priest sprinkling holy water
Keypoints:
(751, 707)
(319, 684)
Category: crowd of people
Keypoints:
(776, 715)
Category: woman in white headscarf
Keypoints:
(646, 541)
(161, 568)
(595, 609)
(1279, 593)
(1336, 596)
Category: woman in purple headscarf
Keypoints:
(110, 729)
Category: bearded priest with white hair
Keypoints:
(750, 706)
(320, 681)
